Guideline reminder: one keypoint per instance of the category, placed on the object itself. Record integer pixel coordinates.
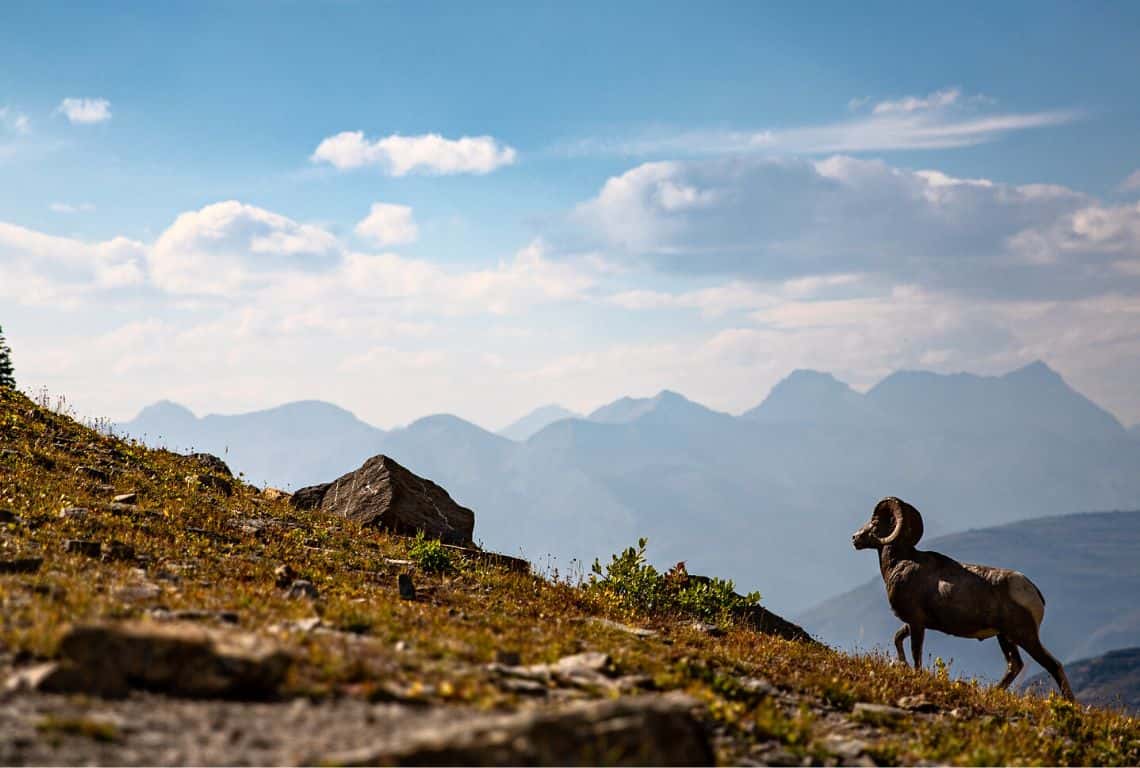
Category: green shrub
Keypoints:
(430, 554)
(636, 585)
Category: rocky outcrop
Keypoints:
(763, 620)
(386, 495)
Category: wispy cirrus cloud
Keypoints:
(72, 207)
(14, 121)
(429, 153)
(944, 119)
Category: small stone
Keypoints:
(591, 662)
(917, 703)
(780, 756)
(74, 513)
(30, 678)
(83, 547)
(523, 686)
(118, 551)
(21, 565)
(138, 592)
(225, 617)
(53, 591)
(285, 575)
(705, 628)
(402, 646)
(102, 475)
(635, 631)
(208, 482)
(878, 714)
(758, 686)
(407, 587)
(126, 498)
(844, 747)
(302, 588)
(508, 658)
(212, 463)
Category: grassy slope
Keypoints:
(458, 627)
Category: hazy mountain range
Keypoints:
(768, 498)
(1085, 565)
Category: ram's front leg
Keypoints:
(901, 635)
(916, 637)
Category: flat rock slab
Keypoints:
(384, 494)
(638, 730)
(178, 658)
(148, 729)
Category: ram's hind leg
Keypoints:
(902, 634)
(1013, 662)
(1033, 647)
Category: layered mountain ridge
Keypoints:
(768, 498)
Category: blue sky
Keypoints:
(651, 195)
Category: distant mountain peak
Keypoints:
(1038, 370)
(666, 404)
(534, 422)
(806, 395)
(167, 409)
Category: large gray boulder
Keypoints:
(390, 497)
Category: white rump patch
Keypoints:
(1025, 594)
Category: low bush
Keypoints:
(430, 554)
(636, 585)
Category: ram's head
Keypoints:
(893, 521)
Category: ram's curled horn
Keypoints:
(908, 523)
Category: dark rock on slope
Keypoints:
(386, 495)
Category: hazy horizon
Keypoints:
(582, 412)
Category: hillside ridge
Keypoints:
(114, 553)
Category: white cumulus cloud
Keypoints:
(428, 153)
(85, 111)
(388, 224)
(230, 246)
(40, 269)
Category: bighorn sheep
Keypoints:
(928, 590)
